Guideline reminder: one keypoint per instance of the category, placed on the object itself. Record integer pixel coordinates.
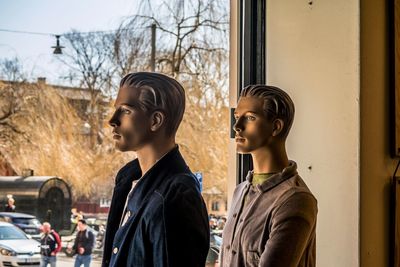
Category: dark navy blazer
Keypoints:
(167, 223)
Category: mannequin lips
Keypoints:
(239, 139)
(116, 135)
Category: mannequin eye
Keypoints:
(250, 118)
(124, 110)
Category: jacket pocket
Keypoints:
(252, 259)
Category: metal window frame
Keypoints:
(252, 59)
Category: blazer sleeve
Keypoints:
(181, 235)
(292, 226)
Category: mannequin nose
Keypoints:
(238, 126)
(114, 121)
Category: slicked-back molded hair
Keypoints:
(277, 104)
(158, 92)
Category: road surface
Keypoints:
(64, 261)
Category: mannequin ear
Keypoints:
(157, 120)
(277, 125)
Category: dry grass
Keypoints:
(53, 142)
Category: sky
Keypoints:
(53, 17)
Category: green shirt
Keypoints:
(259, 178)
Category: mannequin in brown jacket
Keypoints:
(273, 215)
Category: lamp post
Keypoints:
(57, 48)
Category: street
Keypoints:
(64, 261)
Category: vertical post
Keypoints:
(395, 223)
(252, 59)
(153, 47)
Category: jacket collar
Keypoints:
(170, 164)
(164, 164)
(275, 179)
(132, 171)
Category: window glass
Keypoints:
(10, 233)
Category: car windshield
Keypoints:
(11, 232)
(27, 221)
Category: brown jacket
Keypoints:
(275, 228)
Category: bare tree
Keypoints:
(11, 108)
(11, 69)
(87, 56)
(12, 101)
(207, 118)
(192, 45)
(130, 50)
(183, 27)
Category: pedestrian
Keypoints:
(272, 219)
(100, 235)
(50, 245)
(74, 216)
(213, 223)
(10, 207)
(84, 244)
(157, 215)
(221, 223)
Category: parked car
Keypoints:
(16, 248)
(26, 222)
(213, 252)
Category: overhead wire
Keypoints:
(55, 34)
(27, 32)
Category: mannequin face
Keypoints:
(132, 126)
(253, 130)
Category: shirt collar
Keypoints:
(275, 179)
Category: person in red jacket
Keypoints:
(50, 245)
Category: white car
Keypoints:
(16, 248)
